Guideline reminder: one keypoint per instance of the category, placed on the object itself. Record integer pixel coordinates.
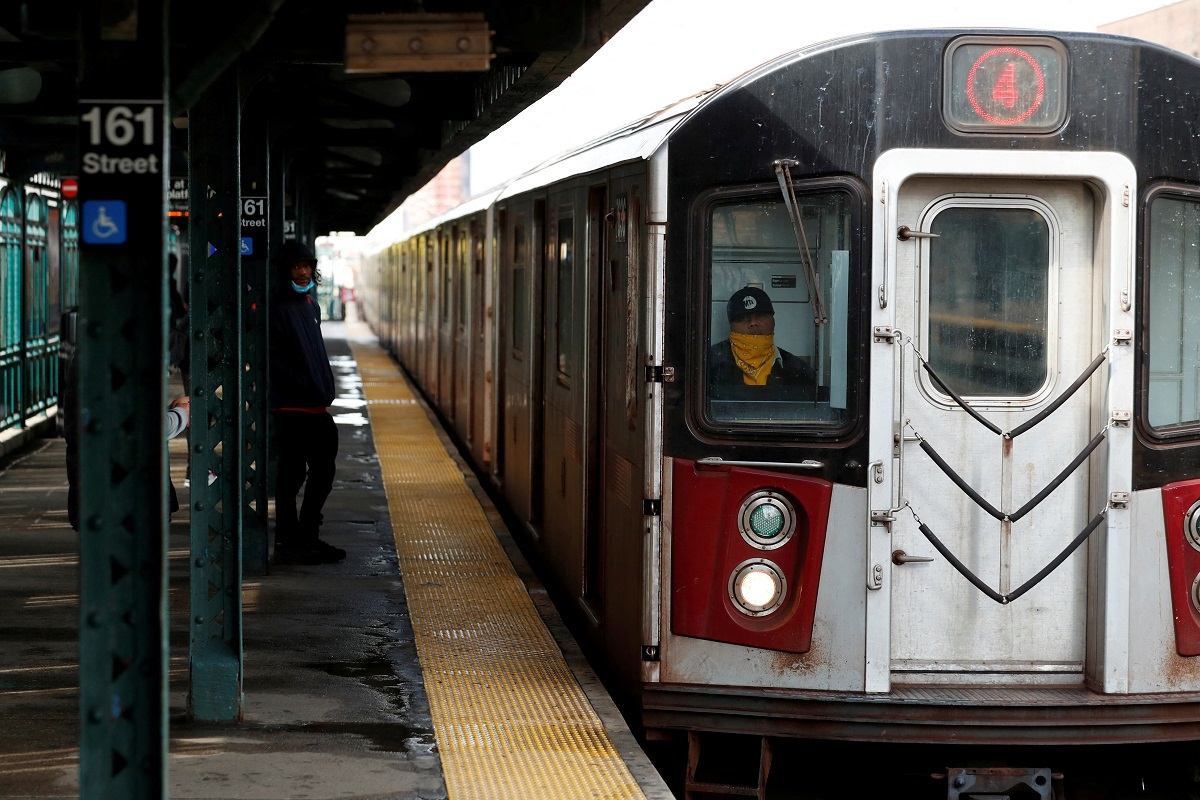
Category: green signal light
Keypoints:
(766, 521)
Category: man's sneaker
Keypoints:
(297, 554)
(328, 553)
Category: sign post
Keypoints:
(121, 389)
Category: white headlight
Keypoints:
(757, 587)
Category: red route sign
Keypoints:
(70, 187)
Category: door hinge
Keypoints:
(651, 508)
(656, 373)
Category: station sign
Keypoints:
(121, 138)
(289, 230)
(254, 224)
(105, 222)
(1009, 84)
(177, 196)
(122, 169)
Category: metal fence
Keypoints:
(39, 269)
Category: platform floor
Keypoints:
(336, 700)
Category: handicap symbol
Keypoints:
(103, 226)
(104, 221)
(247, 246)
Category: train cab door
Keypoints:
(999, 306)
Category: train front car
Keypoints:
(932, 438)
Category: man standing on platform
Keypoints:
(301, 390)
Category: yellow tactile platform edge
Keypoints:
(510, 719)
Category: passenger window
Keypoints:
(988, 310)
(1173, 278)
(566, 291)
(520, 313)
(777, 350)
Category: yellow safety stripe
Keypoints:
(510, 719)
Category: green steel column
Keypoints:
(255, 280)
(218, 492)
(275, 238)
(122, 369)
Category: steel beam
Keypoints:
(218, 490)
(122, 366)
(255, 282)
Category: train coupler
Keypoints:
(1003, 783)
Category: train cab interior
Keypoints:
(799, 256)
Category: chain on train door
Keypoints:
(999, 306)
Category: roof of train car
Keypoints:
(642, 138)
(638, 140)
(635, 141)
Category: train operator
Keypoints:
(750, 358)
(302, 390)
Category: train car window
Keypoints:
(1173, 284)
(520, 327)
(520, 311)
(444, 261)
(566, 291)
(989, 296)
(779, 310)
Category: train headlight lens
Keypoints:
(767, 520)
(757, 587)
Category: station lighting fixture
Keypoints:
(767, 520)
(757, 587)
(418, 42)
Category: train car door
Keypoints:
(999, 305)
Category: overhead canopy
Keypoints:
(366, 100)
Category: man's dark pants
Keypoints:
(306, 445)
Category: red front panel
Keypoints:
(1183, 561)
(706, 548)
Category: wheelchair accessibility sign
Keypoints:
(104, 222)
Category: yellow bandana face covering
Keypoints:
(755, 355)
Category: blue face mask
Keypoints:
(301, 289)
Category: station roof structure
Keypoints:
(366, 100)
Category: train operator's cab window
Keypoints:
(988, 284)
(1173, 283)
(779, 310)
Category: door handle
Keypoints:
(904, 233)
(900, 558)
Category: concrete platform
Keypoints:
(335, 706)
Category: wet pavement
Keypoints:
(334, 703)
(335, 706)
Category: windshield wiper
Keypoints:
(784, 173)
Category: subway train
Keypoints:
(857, 399)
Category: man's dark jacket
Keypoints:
(300, 373)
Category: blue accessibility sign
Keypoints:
(104, 222)
(247, 245)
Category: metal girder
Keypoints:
(217, 441)
(255, 281)
(122, 399)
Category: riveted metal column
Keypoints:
(275, 238)
(122, 369)
(255, 264)
(217, 441)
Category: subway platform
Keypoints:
(429, 664)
